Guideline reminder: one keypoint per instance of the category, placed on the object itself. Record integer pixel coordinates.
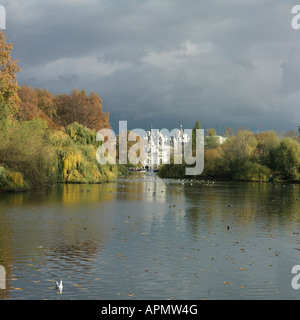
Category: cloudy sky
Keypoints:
(229, 63)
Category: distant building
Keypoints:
(159, 147)
(216, 140)
(221, 139)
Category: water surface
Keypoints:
(149, 238)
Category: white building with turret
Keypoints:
(160, 144)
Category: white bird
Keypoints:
(59, 286)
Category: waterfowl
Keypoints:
(59, 286)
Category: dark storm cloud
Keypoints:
(227, 63)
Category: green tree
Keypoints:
(239, 149)
(197, 126)
(251, 171)
(25, 147)
(211, 141)
(267, 141)
(286, 159)
(214, 165)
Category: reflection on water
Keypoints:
(148, 238)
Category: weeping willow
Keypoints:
(32, 155)
(11, 181)
(76, 161)
(81, 134)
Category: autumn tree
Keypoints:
(28, 106)
(45, 102)
(36, 104)
(81, 108)
(211, 132)
(228, 132)
(8, 80)
(130, 139)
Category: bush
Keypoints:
(172, 171)
(214, 164)
(253, 172)
(286, 159)
(12, 181)
(25, 147)
(238, 150)
(81, 134)
(76, 157)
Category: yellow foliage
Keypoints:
(71, 161)
(12, 181)
(16, 178)
(75, 177)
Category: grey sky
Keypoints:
(165, 62)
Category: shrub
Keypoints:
(12, 181)
(25, 147)
(253, 172)
(286, 159)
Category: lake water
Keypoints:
(149, 238)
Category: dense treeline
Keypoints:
(62, 110)
(46, 139)
(247, 156)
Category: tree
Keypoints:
(45, 102)
(25, 147)
(267, 141)
(28, 108)
(137, 142)
(229, 132)
(211, 132)
(239, 149)
(287, 159)
(251, 171)
(213, 163)
(8, 81)
(81, 108)
(197, 126)
(211, 141)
